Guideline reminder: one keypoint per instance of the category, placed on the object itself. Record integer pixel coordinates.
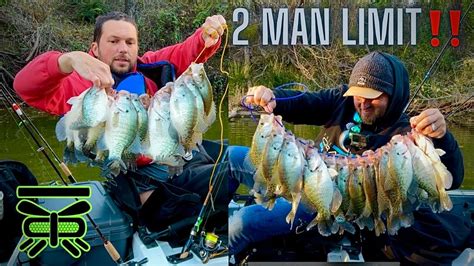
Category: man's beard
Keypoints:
(369, 120)
(121, 71)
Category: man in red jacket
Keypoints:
(52, 78)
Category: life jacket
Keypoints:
(160, 73)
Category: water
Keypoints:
(17, 144)
(242, 130)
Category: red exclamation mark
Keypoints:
(435, 16)
(455, 16)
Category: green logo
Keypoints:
(42, 227)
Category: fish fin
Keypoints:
(61, 129)
(135, 147)
(270, 202)
(379, 226)
(347, 226)
(365, 222)
(79, 124)
(74, 100)
(406, 219)
(332, 172)
(412, 190)
(444, 174)
(80, 156)
(313, 223)
(440, 152)
(393, 224)
(101, 144)
(367, 209)
(211, 117)
(175, 170)
(259, 199)
(259, 181)
(296, 198)
(324, 225)
(69, 155)
(445, 201)
(197, 138)
(336, 200)
(112, 168)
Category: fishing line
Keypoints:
(221, 125)
(435, 62)
(30, 127)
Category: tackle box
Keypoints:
(112, 222)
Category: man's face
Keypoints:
(118, 46)
(371, 109)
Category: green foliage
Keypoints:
(87, 10)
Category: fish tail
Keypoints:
(324, 227)
(87, 148)
(379, 226)
(393, 224)
(112, 167)
(69, 154)
(80, 156)
(445, 201)
(406, 219)
(270, 203)
(363, 221)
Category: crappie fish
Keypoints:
(142, 115)
(75, 139)
(289, 171)
(164, 147)
(424, 174)
(370, 189)
(399, 182)
(120, 133)
(93, 108)
(357, 196)
(444, 179)
(201, 124)
(259, 139)
(320, 193)
(264, 173)
(184, 116)
(342, 180)
(204, 86)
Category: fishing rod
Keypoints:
(31, 129)
(435, 62)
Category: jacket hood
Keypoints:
(400, 94)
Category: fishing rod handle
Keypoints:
(112, 251)
(65, 169)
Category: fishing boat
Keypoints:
(310, 246)
(135, 244)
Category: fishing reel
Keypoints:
(209, 246)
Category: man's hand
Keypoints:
(263, 96)
(87, 67)
(212, 29)
(430, 123)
